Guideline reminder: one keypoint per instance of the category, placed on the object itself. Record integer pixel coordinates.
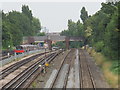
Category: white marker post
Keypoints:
(8, 54)
(15, 54)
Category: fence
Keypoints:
(12, 58)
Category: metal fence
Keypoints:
(12, 58)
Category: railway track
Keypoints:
(96, 76)
(15, 66)
(77, 70)
(19, 80)
(86, 80)
(4, 54)
(91, 76)
(60, 76)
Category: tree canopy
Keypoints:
(84, 14)
(100, 30)
(15, 25)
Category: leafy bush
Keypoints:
(76, 44)
(99, 46)
(59, 44)
(115, 68)
(110, 53)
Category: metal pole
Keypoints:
(15, 54)
(45, 54)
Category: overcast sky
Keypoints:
(54, 15)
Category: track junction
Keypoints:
(73, 68)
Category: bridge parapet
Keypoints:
(76, 38)
(52, 39)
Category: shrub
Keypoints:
(99, 46)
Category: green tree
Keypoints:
(15, 25)
(112, 38)
(74, 29)
(102, 30)
(41, 34)
(84, 14)
(27, 12)
(80, 29)
(36, 26)
(6, 35)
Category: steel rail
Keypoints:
(61, 65)
(26, 73)
(89, 71)
(15, 66)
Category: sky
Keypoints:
(54, 15)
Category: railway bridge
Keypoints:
(51, 39)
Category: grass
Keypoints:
(33, 85)
(115, 68)
(109, 68)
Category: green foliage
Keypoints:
(99, 46)
(74, 29)
(76, 44)
(59, 44)
(108, 8)
(118, 6)
(88, 32)
(33, 84)
(36, 26)
(102, 31)
(41, 34)
(6, 35)
(115, 68)
(84, 14)
(27, 12)
(15, 25)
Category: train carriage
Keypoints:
(25, 48)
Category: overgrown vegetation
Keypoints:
(100, 30)
(75, 30)
(16, 24)
(41, 34)
(105, 32)
(110, 68)
(59, 44)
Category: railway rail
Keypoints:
(96, 76)
(60, 76)
(77, 70)
(15, 66)
(86, 80)
(4, 54)
(27, 73)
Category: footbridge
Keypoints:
(51, 39)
